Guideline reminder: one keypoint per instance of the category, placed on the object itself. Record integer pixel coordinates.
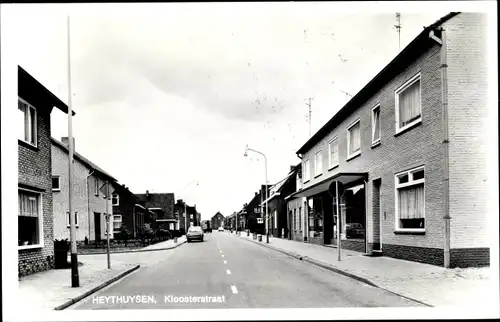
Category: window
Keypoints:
(408, 105)
(117, 222)
(318, 163)
(376, 125)
(27, 118)
(256, 210)
(300, 218)
(298, 182)
(56, 183)
(292, 215)
(354, 140)
(76, 219)
(96, 186)
(29, 219)
(333, 153)
(307, 170)
(410, 200)
(115, 200)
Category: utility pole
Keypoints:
(398, 29)
(309, 104)
(75, 279)
(108, 222)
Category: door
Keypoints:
(97, 226)
(377, 218)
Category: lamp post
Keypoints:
(265, 196)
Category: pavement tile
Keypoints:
(430, 284)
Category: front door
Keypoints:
(97, 226)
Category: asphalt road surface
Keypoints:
(225, 271)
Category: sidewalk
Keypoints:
(429, 284)
(50, 289)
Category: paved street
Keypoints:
(237, 274)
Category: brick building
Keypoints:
(129, 211)
(89, 203)
(277, 207)
(389, 147)
(162, 207)
(217, 220)
(35, 219)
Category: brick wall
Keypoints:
(415, 147)
(60, 198)
(83, 202)
(468, 117)
(34, 166)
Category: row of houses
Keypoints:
(410, 148)
(43, 189)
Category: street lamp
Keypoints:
(265, 196)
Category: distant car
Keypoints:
(220, 229)
(355, 230)
(194, 233)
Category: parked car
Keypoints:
(355, 230)
(194, 233)
(220, 229)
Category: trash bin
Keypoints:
(259, 238)
(248, 232)
(175, 239)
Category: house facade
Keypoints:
(297, 224)
(217, 221)
(161, 209)
(404, 175)
(35, 219)
(89, 203)
(277, 207)
(129, 211)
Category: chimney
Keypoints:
(256, 193)
(65, 141)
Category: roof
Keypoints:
(35, 93)
(410, 53)
(84, 160)
(218, 214)
(164, 201)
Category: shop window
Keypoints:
(315, 217)
(352, 209)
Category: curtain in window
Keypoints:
(409, 104)
(411, 202)
(32, 126)
(28, 205)
(319, 164)
(376, 125)
(354, 141)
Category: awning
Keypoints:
(166, 220)
(319, 187)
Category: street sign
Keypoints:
(332, 189)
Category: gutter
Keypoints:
(445, 142)
(88, 198)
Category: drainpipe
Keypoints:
(88, 197)
(446, 142)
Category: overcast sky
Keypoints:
(166, 94)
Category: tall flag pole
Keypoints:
(75, 279)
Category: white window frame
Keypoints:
(116, 221)
(355, 154)
(401, 89)
(76, 220)
(318, 170)
(376, 141)
(306, 171)
(117, 199)
(40, 221)
(330, 164)
(410, 183)
(29, 106)
(59, 183)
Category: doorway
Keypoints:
(97, 226)
(377, 218)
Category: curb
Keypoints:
(336, 270)
(137, 251)
(95, 289)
